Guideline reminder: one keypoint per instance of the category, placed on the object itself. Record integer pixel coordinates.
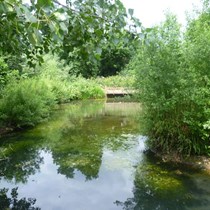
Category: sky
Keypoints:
(151, 12)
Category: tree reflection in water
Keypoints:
(13, 203)
(20, 161)
(75, 136)
(89, 127)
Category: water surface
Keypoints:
(89, 156)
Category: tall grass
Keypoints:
(126, 81)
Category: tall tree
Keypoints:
(83, 25)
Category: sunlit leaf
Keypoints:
(38, 36)
(32, 39)
(44, 3)
(63, 26)
(29, 16)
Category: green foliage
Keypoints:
(32, 30)
(117, 53)
(28, 101)
(3, 73)
(86, 89)
(77, 30)
(64, 86)
(90, 30)
(116, 81)
(6, 74)
(197, 64)
(173, 83)
(113, 61)
(80, 66)
(25, 103)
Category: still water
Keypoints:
(89, 156)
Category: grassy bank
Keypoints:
(29, 98)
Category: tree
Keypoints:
(173, 80)
(159, 83)
(115, 56)
(82, 25)
(197, 64)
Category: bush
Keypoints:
(86, 89)
(159, 83)
(28, 101)
(64, 86)
(6, 74)
(25, 103)
(197, 64)
(173, 83)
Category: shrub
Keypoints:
(6, 74)
(173, 83)
(25, 103)
(158, 81)
(64, 86)
(86, 89)
(28, 101)
(196, 54)
(52, 68)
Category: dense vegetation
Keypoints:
(173, 79)
(83, 33)
(29, 99)
(53, 53)
(50, 51)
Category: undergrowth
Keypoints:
(30, 98)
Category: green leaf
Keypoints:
(99, 32)
(32, 39)
(52, 26)
(38, 36)
(44, 3)
(99, 50)
(63, 26)
(3, 7)
(97, 56)
(29, 17)
(148, 30)
(131, 11)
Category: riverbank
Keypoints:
(5, 130)
(197, 162)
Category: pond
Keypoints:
(90, 156)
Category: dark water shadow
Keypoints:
(13, 203)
